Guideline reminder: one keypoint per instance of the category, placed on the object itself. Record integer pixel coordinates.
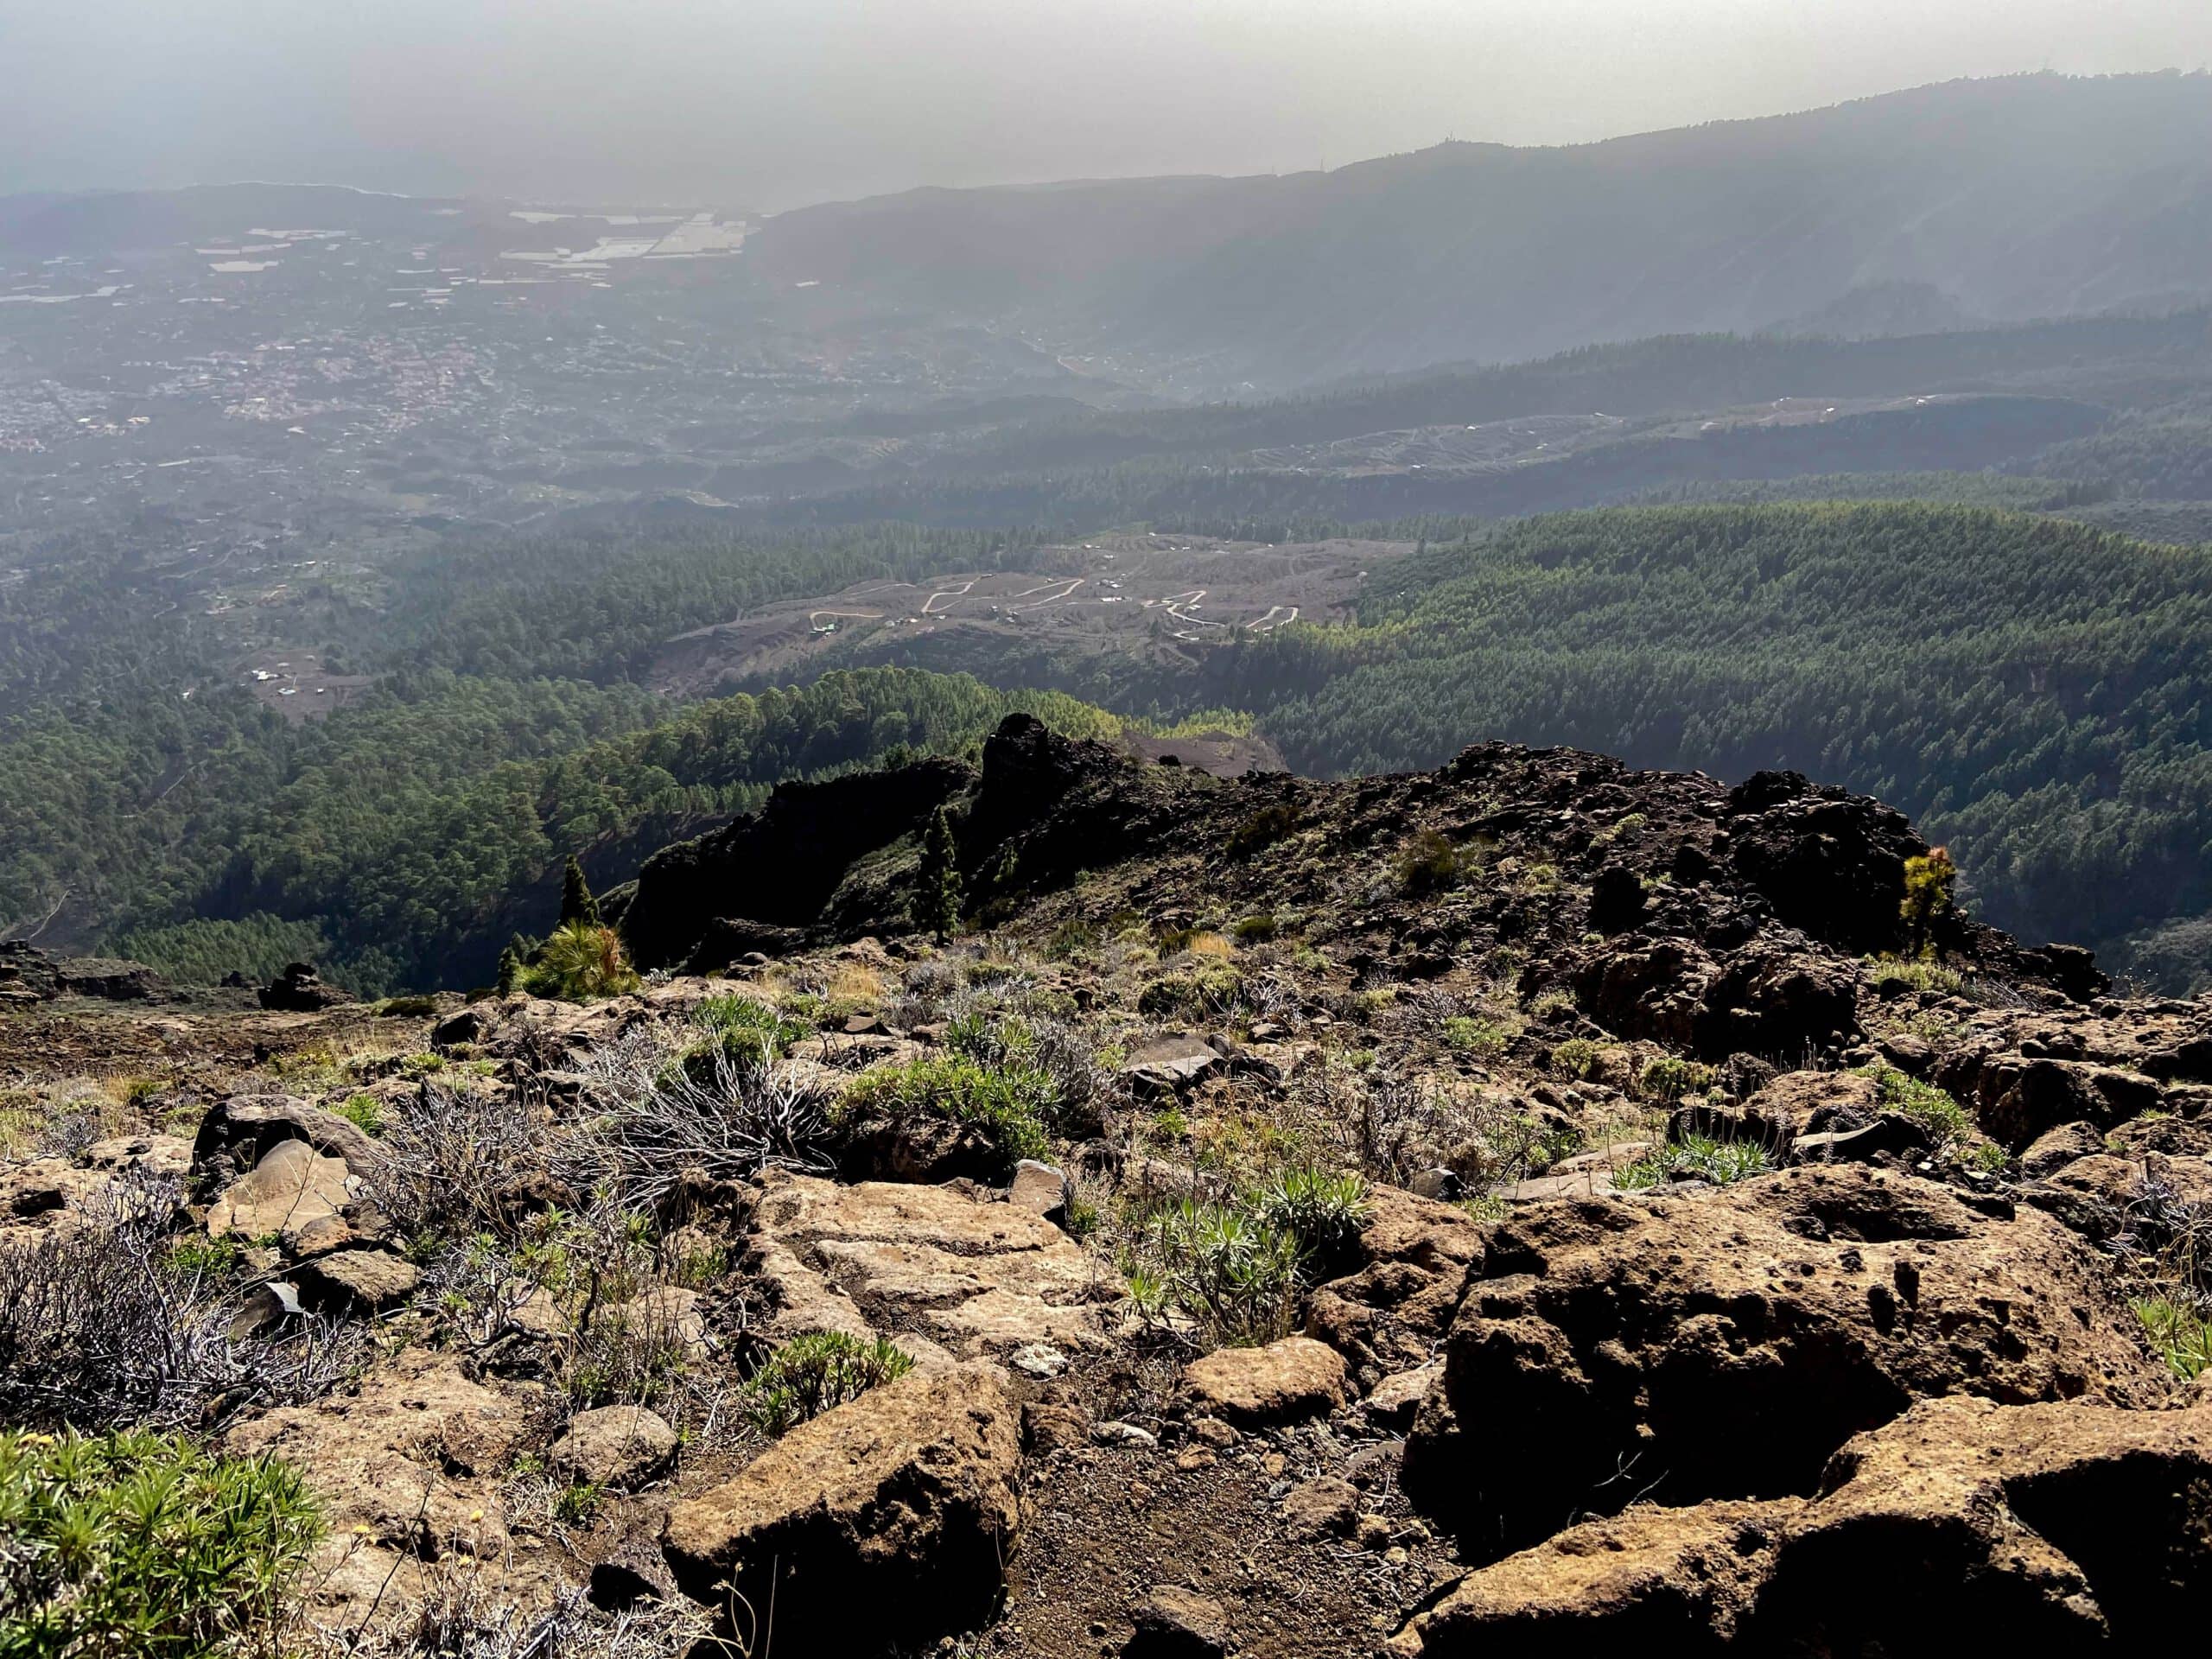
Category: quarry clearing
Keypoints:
(1134, 592)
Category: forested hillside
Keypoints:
(141, 786)
(2030, 687)
(2037, 690)
(394, 854)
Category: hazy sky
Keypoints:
(771, 103)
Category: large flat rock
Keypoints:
(968, 1277)
(883, 1523)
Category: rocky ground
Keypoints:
(1512, 1207)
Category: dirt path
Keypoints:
(928, 605)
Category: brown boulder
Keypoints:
(1668, 1581)
(1805, 1102)
(408, 1470)
(1173, 1623)
(1283, 1382)
(1390, 1314)
(2175, 1137)
(367, 1281)
(2059, 1527)
(2054, 1149)
(1725, 1345)
(236, 1133)
(2043, 1529)
(930, 1265)
(615, 1446)
(884, 1523)
(289, 1187)
(1317, 1507)
(2017, 1098)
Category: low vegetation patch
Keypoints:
(1209, 989)
(1007, 1102)
(817, 1372)
(1485, 1039)
(1237, 1271)
(1262, 831)
(1695, 1157)
(2180, 1334)
(1946, 1122)
(1431, 864)
(142, 1545)
(1668, 1078)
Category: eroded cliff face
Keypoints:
(1486, 1211)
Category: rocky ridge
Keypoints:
(1661, 1249)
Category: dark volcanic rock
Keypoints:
(299, 990)
(29, 974)
(1831, 863)
(1725, 1345)
(778, 868)
(1963, 1524)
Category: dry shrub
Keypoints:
(466, 1610)
(674, 1102)
(454, 1159)
(103, 1323)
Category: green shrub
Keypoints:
(1208, 990)
(1007, 1104)
(1695, 1157)
(749, 1029)
(583, 960)
(988, 1040)
(815, 1373)
(1987, 1158)
(196, 1256)
(1256, 929)
(364, 1112)
(1072, 939)
(1484, 1039)
(1262, 831)
(2180, 1334)
(1430, 864)
(1237, 1269)
(1892, 975)
(1945, 1121)
(1668, 1078)
(1575, 1059)
(140, 1545)
(1323, 1210)
(1628, 824)
(1220, 1266)
(407, 1007)
(577, 1505)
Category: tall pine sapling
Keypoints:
(576, 903)
(1928, 902)
(937, 900)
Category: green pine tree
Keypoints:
(937, 901)
(511, 965)
(576, 903)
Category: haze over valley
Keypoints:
(1105, 832)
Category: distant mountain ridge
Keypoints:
(2032, 196)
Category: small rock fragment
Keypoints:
(615, 1446)
(1175, 1623)
(1283, 1382)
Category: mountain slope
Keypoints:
(2015, 198)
